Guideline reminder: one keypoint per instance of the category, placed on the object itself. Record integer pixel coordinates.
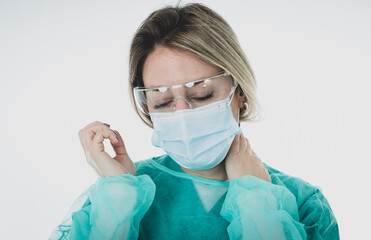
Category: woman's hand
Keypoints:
(92, 137)
(241, 160)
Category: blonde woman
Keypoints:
(191, 82)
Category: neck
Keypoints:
(216, 173)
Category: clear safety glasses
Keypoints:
(196, 93)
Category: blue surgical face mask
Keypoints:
(197, 138)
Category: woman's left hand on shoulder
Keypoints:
(241, 160)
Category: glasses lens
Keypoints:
(196, 94)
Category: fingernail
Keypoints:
(107, 124)
(118, 139)
(113, 132)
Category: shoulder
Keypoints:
(300, 188)
(314, 209)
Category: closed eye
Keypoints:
(203, 98)
(158, 106)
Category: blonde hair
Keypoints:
(197, 29)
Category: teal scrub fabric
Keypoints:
(163, 202)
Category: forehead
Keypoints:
(167, 66)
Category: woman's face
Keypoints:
(166, 67)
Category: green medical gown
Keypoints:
(163, 202)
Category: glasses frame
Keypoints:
(188, 85)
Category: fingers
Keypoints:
(242, 160)
(102, 130)
(101, 133)
(245, 145)
(240, 143)
(86, 136)
(96, 123)
(96, 149)
(235, 146)
(92, 137)
(98, 132)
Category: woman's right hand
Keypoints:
(92, 137)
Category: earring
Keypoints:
(245, 105)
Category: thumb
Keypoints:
(119, 146)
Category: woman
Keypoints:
(192, 83)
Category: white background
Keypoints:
(64, 64)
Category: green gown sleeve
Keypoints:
(112, 208)
(257, 209)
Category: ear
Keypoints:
(241, 98)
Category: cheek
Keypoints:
(235, 110)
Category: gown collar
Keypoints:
(167, 164)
